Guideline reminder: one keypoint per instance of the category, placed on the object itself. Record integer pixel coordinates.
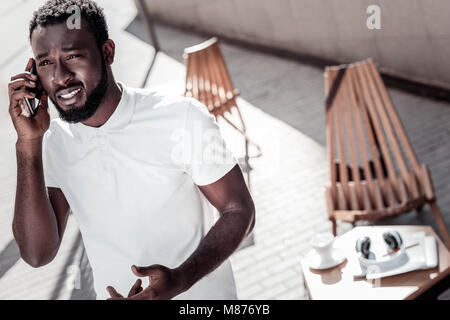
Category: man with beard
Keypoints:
(141, 172)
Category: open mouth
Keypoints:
(69, 96)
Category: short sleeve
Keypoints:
(48, 162)
(207, 158)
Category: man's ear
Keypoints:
(108, 51)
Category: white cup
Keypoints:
(323, 244)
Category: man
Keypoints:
(141, 172)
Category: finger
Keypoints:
(17, 106)
(16, 84)
(29, 64)
(42, 110)
(15, 110)
(113, 293)
(142, 271)
(21, 94)
(135, 288)
(25, 75)
(44, 100)
(144, 295)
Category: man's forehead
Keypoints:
(60, 36)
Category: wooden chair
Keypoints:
(374, 171)
(208, 80)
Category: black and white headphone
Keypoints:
(392, 239)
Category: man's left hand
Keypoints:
(164, 284)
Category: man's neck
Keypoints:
(107, 107)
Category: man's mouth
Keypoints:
(69, 96)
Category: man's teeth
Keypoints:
(71, 94)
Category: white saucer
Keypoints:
(315, 261)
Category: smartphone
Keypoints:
(33, 104)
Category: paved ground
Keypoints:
(282, 103)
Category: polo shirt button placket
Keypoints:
(105, 160)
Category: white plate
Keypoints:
(315, 261)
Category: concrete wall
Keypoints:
(413, 42)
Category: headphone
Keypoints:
(392, 239)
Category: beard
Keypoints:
(93, 101)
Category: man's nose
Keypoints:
(62, 75)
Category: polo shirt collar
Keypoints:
(118, 120)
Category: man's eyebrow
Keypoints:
(42, 55)
(65, 49)
(73, 48)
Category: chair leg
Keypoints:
(419, 209)
(333, 226)
(440, 223)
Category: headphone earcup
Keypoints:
(363, 246)
(393, 239)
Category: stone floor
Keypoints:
(282, 104)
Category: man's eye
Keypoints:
(72, 56)
(44, 63)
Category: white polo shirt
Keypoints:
(132, 187)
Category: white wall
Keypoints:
(414, 40)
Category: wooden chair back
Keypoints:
(207, 78)
(372, 163)
(208, 81)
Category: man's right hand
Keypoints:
(27, 128)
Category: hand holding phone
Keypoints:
(30, 115)
(33, 104)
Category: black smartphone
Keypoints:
(33, 104)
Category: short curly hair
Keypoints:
(56, 11)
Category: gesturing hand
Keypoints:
(164, 284)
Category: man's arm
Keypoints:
(39, 219)
(232, 199)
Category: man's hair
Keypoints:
(55, 11)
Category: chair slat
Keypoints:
(427, 184)
(188, 63)
(366, 198)
(330, 203)
(330, 75)
(349, 108)
(378, 194)
(343, 171)
(330, 131)
(195, 86)
(342, 202)
(403, 194)
(201, 78)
